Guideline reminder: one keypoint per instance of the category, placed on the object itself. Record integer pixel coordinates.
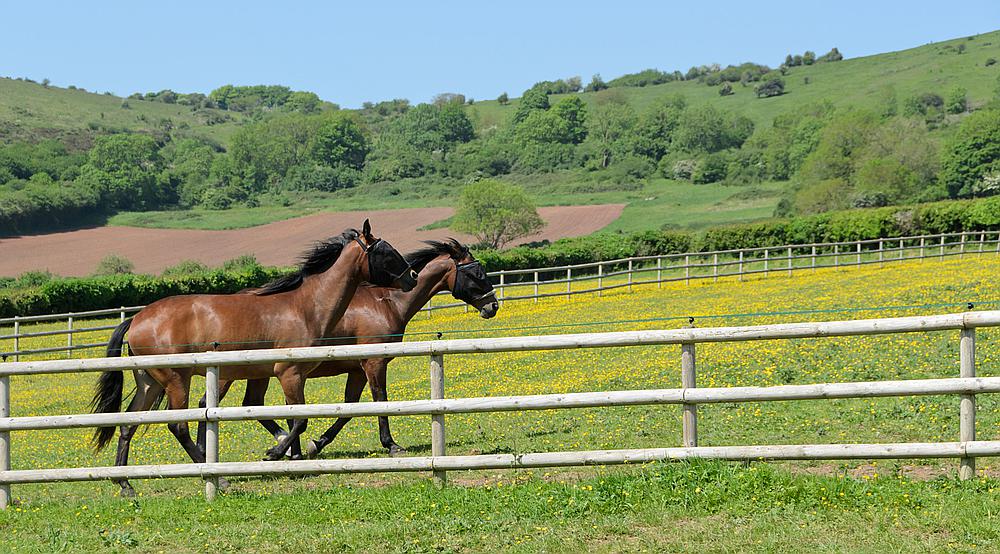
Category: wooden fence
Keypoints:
(967, 385)
(589, 278)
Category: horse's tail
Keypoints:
(108, 394)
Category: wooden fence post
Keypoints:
(122, 319)
(859, 253)
(630, 275)
(789, 261)
(902, 250)
(600, 279)
(836, 255)
(569, 282)
(659, 270)
(922, 243)
(813, 259)
(881, 258)
(961, 249)
(536, 286)
(941, 253)
(17, 337)
(715, 267)
(5, 497)
(690, 411)
(211, 430)
(982, 240)
(501, 288)
(687, 270)
(437, 420)
(69, 337)
(741, 265)
(765, 263)
(967, 406)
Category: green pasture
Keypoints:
(852, 505)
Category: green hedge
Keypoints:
(95, 293)
(81, 294)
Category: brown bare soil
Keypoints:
(77, 253)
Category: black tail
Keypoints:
(108, 394)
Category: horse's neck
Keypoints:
(430, 281)
(325, 297)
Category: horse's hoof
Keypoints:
(396, 450)
(280, 437)
(312, 449)
(274, 454)
(296, 457)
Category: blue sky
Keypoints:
(352, 52)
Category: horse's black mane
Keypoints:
(422, 257)
(317, 260)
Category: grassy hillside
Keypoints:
(30, 111)
(936, 67)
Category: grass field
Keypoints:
(660, 203)
(855, 505)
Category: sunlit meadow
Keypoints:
(908, 288)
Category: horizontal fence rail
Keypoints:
(608, 275)
(214, 364)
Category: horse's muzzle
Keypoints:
(489, 310)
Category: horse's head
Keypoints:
(386, 267)
(470, 284)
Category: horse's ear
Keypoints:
(366, 229)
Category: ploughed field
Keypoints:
(78, 252)
(853, 505)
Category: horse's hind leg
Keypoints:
(293, 380)
(147, 391)
(352, 393)
(177, 398)
(178, 391)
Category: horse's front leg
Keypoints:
(292, 378)
(352, 393)
(254, 396)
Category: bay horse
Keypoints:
(296, 310)
(378, 315)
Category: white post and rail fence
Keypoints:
(597, 277)
(689, 397)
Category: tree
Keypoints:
(125, 170)
(957, 101)
(972, 153)
(596, 84)
(774, 86)
(339, 140)
(833, 55)
(496, 213)
(726, 89)
(611, 122)
(503, 99)
(573, 113)
(532, 99)
(808, 57)
(113, 264)
(446, 98)
(454, 125)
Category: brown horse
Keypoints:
(377, 315)
(296, 310)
